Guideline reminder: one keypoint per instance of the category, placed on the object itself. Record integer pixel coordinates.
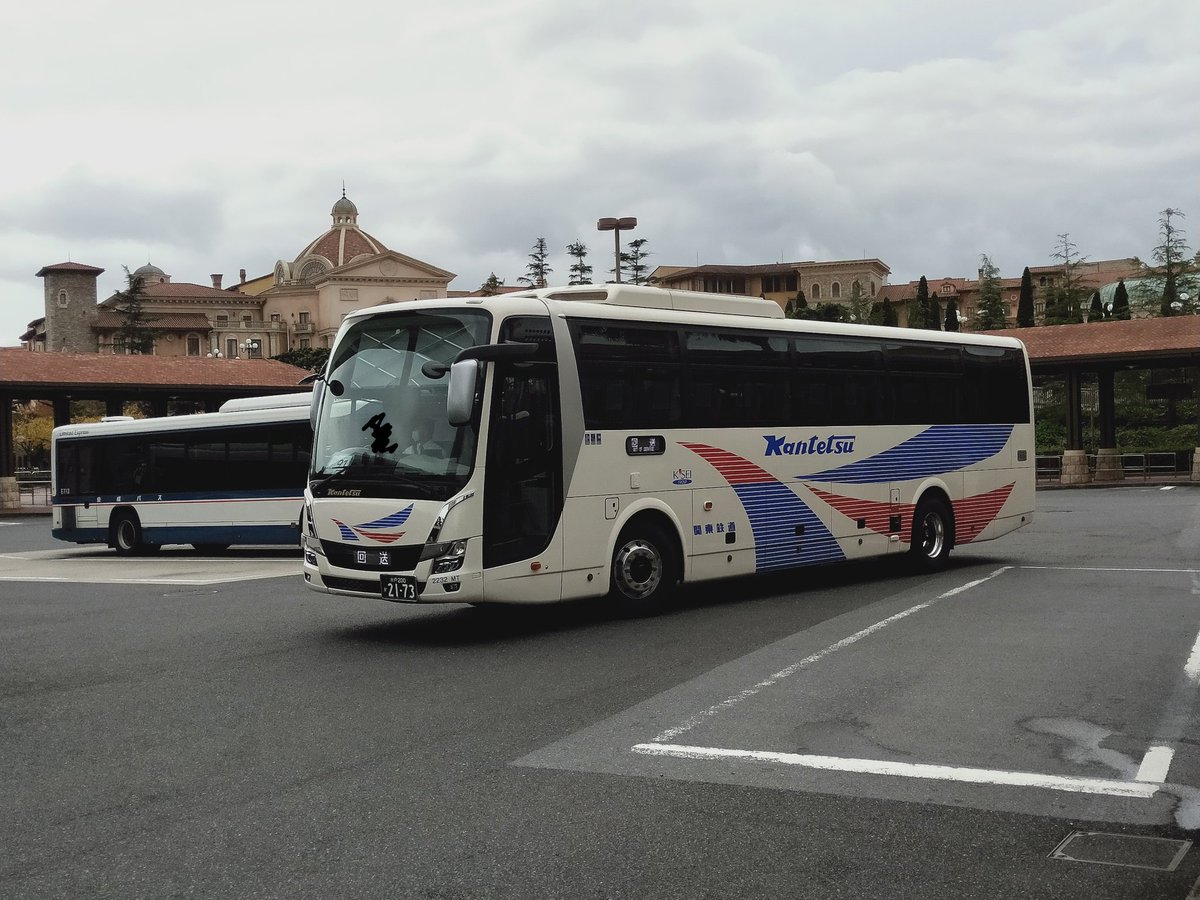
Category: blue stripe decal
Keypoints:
(774, 511)
(939, 449)
(396, 518)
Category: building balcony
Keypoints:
(303, 328)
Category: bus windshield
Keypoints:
(381, 425)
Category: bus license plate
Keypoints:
(400, 588)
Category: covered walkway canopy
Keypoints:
(1103, 348)
(115, 379)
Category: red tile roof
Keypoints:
(67, 267)
(1178, 336)
(111, 318)
(21, 368)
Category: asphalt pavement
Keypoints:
(1020, 725)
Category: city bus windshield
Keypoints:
(381, 426)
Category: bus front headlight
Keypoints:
(447, 557)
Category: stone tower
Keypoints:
(71, 312)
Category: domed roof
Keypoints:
(148, 269)
(339, 245)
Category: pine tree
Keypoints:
(538, 267)
(860, 307)
(951, 322)
(989, 314)
(134, 335)
(1070, 288)
(634, 262)
(1025, 317)
(491, 287)
(1174, 266)
(581, 272)
(1120, 307)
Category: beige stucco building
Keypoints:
(300, 305)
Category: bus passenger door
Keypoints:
(523, 492)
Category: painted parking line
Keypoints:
(671, 733)
(1106, 786)
(1151, 774)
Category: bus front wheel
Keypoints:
(645, 569)
(126, 534)
(932, 534)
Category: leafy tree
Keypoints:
(491, 286)
(935, 314)
(1025, 317)
(951, 322)
(830, 312)
(633, 262)
(989, 313)
(875, 317)
(1120, 307)
(918, 311)
(311, 358)
(1069, 288)
(797, 306)
(134, 333)
(31, 436)
(1096, 310)
(581, 272)
(538, 267)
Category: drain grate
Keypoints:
(1134, 851)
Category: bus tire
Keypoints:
(645, 569)
(126, 536)
(932, 535)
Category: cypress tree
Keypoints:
(1120, 307)
(1096, 310)
(890, 316)
(919, 314)
(1025, 304)
(951, 316)
(935, 314)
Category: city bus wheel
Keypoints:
(932, 535)
(645, 569)
(126, 534)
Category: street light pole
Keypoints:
(616, 226)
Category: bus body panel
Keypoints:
(741, 499)
(194, 479)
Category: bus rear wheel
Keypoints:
(932, 535)
(127, 534)
(645, 570)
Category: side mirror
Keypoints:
(460, 396)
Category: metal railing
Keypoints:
(1133, 465)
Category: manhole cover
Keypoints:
(1132, 850)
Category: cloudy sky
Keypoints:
(213, 137)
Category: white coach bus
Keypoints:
(618, 440)
(210, 480)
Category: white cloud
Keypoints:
(217, 138)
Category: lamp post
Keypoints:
(616, 226)
(249, 347)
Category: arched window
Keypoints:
(835, 290)
(62, 298)
(312, 270)
(872, 288)
(857, 287)
(815, 290)
(193, 345)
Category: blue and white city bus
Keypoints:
(211, 480)
(614, 440)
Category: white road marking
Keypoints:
(1107, 786)
(1109, 569)
(672, 733)
(148, 579)
(1169, 487)
(1155, 764)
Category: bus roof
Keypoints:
(280, 411)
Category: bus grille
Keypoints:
(392, 559)
(352, 584)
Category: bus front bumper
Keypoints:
(453, 587)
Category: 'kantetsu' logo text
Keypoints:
(779, 445)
